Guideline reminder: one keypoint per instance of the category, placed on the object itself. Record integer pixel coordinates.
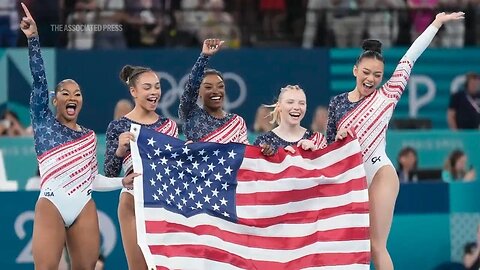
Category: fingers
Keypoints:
(128, 180)
(189, 142)
(290, 149)
(306, 145)
(267, 149)
(27, 12)
(128, 136)
(24, 24)
(213, 44)
(342, 134)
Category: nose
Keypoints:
(370, 78)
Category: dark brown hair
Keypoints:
(129, 74)
(371, 49)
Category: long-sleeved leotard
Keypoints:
(369, 117)
(272, 139)
(66, 157)
(113, 164)
(200, 125)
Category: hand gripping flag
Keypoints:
(207, 206)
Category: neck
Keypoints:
(140, 115)
(289, 132)
(217, 113)
(70, 124)
(355, 95)
(471, 92)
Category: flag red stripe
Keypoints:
(280, 243)
(296, 172)
(282, 197)
(216, 254)
(307, 216)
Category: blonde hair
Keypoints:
(275, 114)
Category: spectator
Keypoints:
(144, 22)
(320, 120)
(110, 12)
(191, 18)
(348, 22)
(383, 25)
(8, 23)
(471, 255)
(10, 125)
(84, 15)
(464, 108)
(273, 13)
(295, 19)
(423, 12)
(122, 107)
(456, 168)
(407, 164)
(316, 26)
(263, 120)
(245, 14)
(453, 35)
(219, 24)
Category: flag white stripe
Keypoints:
(259, 254)
(328, 159)
(269, 211)
(286, 184)
(278, 230)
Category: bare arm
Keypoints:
(452, 124)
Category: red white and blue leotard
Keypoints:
(370, 116)
(199, 125)
(66, 157)
(113, 164)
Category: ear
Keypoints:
(54, 101)
(355, 70)
(133, 92)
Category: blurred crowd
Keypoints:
(108, 24)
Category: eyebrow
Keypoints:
(76, 90)
(370, 70)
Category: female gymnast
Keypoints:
(366, 111)
(144, 86)
(209, 123)
(288, 112)
(66, 153)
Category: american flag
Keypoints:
(226, 206)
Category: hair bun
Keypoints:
(372, 45)
(126, 72)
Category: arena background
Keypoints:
(433, 220)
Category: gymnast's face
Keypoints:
(212, 92)
(369, 74)
(68, 101)
(292, 106)
(146, 91)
